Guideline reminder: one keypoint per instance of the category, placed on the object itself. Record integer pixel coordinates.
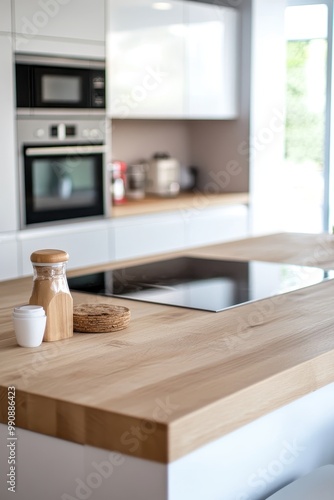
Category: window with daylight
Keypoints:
(306, 164)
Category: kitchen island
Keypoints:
(186, 403)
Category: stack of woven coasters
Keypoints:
(100, 318)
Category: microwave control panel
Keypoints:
(98, 89)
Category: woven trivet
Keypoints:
(100, 318)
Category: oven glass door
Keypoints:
(63, 182)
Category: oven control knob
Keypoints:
(85, 132)
(40, 132)
(94, 133)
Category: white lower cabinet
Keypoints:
(9, 267)
(147, 235)
(151, 234)
(102, 241)
(215, 225)
(86, 243)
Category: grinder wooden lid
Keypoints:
(100, 318)
(49, 256)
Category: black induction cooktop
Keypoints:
(206, 284)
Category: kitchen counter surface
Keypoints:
(184, 201)
(176, 378)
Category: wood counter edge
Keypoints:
(261, 399)
(185, 201)
(165, 442)
(87, 425)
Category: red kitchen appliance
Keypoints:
(118, 182)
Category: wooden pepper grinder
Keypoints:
(50, 290)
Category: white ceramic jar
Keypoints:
(29, 325)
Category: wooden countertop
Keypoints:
(176, 378)
(184, 201)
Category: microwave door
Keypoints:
(61, 87)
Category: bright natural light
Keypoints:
(310, 23)
(306, 68)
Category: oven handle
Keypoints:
(56, 151)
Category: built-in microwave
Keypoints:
(50, 82)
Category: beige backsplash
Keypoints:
(134, 140)
(210, 145)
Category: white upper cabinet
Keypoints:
(145, 59)
(211, 61)
(175, 63)
(79, 19)
(60, 26)
(6, 16)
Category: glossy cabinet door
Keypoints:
(172, 231)
(147, 235)
(6, 16)
(87, 243)
(80, 19)
(145, 60)
(176, 63)
(9, 268)
(211, 61)
(60, 27)
(216, 225)
(8, 183)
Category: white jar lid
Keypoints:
(28, 311)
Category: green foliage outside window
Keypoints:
(304, 125)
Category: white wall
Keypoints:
(267, 114)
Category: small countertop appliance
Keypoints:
(163, 175)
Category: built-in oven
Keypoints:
(62, 168)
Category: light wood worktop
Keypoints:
(184, 201)
(176, 378)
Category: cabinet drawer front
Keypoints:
(85, 247)
(148, 238)
(8, 257)
(217, 225)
